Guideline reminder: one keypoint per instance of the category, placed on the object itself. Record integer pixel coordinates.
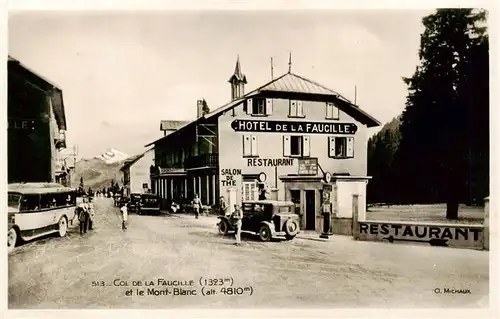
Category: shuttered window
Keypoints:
(296, 109)
(259, 106)
(340, 147)
(296, 146)
(250, 145)
(332, 112)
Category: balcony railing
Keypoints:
(205, 160)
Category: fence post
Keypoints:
(355, 216)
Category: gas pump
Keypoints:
(326, 206)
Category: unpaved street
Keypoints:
(90, 271)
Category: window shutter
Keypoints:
(249, 106)
(300, 110)
(293, 108)
(331, 146)
(306, 146)
(350, 147)
(335, 111)
(247, 145)
(329, 110)
(269, 106)
(254, 145)
(286, 145)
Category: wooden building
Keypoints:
(292, 136)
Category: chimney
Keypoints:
(199, 109)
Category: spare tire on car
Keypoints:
(291, 228)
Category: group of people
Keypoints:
(85, 212)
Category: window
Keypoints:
(296, 109)
(30, 202)
(340, 147)
(249, 191)
(259, 107)
(295, 145)
(13, 200)
(250, 145)
(332, 112)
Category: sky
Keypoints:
(123, 72)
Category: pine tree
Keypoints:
(433, 161)
(205, 109)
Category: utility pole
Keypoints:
(355, 94)
(272, 75)
(290, 63)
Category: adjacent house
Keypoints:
(135, 173)
(296, 138)
(36, 127)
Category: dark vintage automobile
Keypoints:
(148, 204)
(135, 199)
(267, 218)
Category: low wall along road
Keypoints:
(435, 234)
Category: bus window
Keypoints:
(47, 201)
(14, 200)
(30, 203)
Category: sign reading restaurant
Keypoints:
(293, 127)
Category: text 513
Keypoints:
(98, 284)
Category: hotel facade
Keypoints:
(297, 139)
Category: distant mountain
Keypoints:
(97, 173)
(112, 156)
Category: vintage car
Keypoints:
(134, 200)
(148, 204)
(267, 218)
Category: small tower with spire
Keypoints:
(238, 81)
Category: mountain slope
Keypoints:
(96, 173)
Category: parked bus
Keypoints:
(38, 209)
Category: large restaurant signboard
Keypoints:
(293, 127)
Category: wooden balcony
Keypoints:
(205, 160)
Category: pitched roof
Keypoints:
(292, 83)
(168, 125)
(133, 159)
(50, 88)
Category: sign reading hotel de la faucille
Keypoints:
(293, 127)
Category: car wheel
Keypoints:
(223, 227)
(265, 233)
(291, 228)
(11, 239)
(63, 226)
(288, 237)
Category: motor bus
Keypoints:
(38, 209)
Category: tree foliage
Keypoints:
(443, 153)
(205, 109)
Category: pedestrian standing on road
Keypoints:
(238, 216)
(124, 216)
(222, 206)
(83, 216)
(91, 212)
(196, 205)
